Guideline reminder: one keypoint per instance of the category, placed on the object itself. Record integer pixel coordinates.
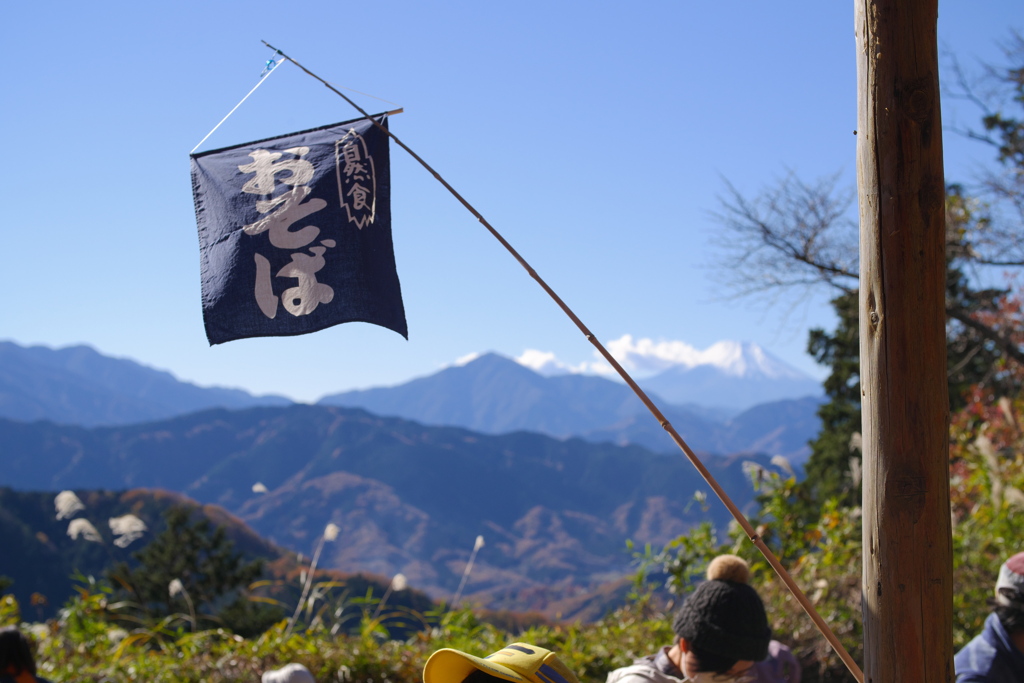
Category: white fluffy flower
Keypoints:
(782, 462)
(259, 487)
(856, 442)
(84, 528)
(753, 470)
(331, 531)
(68, 504)
(289, 673)
(399, 583)
(175, 587)
(127, 528)
(479, 543)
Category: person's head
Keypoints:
(15, 652)
(1010, 594)
(518, 663)
(722, 626)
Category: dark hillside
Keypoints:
(409, 498)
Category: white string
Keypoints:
(262, 78)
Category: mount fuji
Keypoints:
(735, 375)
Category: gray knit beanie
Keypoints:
(724, 616)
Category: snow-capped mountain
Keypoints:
(731, 374)
(743, 359)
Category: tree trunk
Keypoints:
(908, 599)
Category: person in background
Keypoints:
(722, 634)
(996, 655)
(17, 663)
(781, 666)
(518, 662)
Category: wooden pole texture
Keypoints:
(907, 572)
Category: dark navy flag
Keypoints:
(295, 233)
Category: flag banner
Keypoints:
(295, 233)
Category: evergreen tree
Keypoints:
(829, 469)
(972, 359)
(193, 552)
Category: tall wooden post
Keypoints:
(908, 599)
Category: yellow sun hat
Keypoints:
(518, 662)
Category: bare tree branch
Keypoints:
(1005, 344)
(792, 234)
(802, 234)
(997, 237)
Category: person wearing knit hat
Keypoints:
(996, 655)
(722, 634)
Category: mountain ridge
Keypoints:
(476, 396)
(408, 497)
(79, 385)
(494, 394)
(489, 394)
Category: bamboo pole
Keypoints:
(752, 535)
(907, 558)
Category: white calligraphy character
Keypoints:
(359, 195)
(264, 166)
(265, 296)
(304, 298)
(353, 165)
(290, 208)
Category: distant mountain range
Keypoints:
(555, 514)
(495, 395)
(77, 385)
(490, 394)
(556, 472)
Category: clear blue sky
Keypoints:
(594, 135)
